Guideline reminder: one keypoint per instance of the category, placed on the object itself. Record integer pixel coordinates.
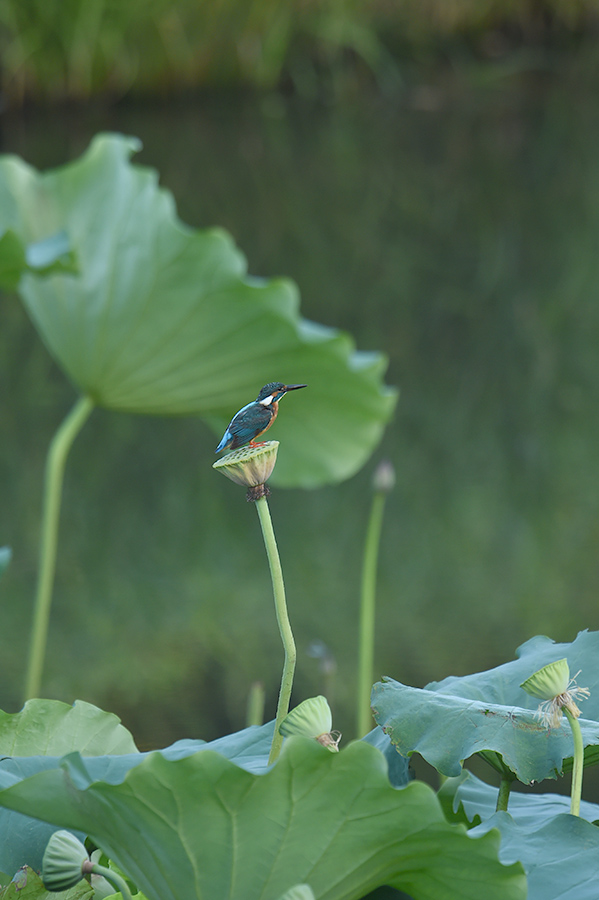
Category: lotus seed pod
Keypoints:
(249, 466)
(310, 718)
(63, 860)
(549, 682)
(313, 719)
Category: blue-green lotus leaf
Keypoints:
(35, 739)
(46, 726)
(479, 800)
(397, 766)
(164, 319)
(204, 827)
(49, 728)
(561, 857)
(449, 721)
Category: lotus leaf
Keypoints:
(203, 827)
(164, 319)
(449, 721)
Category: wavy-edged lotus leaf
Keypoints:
(175, 827)
(561, 857)
(23, 839)
(449, 721)
(27, 885)
(36, 738)
(53, 728)
(502, 684)
(163, 319)
(5, 556)
(470, 797)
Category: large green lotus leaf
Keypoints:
(34, 739)
(23, 839)
(163, 319)
(561, 858)
(449, 721)
(203, 827)
(53, 728)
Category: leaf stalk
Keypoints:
(578, 762)
(503, 796)
(55, 463)
(367, 614)
(112, 877)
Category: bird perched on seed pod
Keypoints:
(254, 419)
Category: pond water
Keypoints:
(455, 228)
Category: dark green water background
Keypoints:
(456, 228)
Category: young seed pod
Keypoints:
(63, 860)
(548, 682)
(552, 684)
(313, 719)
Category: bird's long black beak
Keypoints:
(294, 387)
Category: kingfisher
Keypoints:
(254, 419)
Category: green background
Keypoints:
(452, 225)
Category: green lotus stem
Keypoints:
(283, 621)
(118, 883)
(367, 614)
(55, 463)
(578, 766)
(503, 797)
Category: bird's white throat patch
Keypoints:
(267, 401)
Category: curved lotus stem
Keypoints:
(55, 463)
(283, 622)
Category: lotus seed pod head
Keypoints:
(63, 860)
(313, 719)
(299, 892)
(384, 477)
(549, 682)
(310, 718)
(249, 466)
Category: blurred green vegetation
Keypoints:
(57, 49)
(457, 231)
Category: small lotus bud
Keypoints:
(313, 719)
(299, 892)
(384, 477)
(63, 860)
(249, 466)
